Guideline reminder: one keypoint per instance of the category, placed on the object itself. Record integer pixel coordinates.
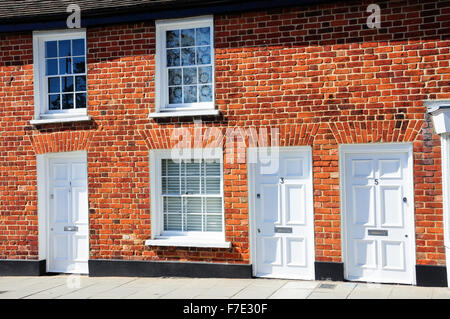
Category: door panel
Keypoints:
(378, 233)
(68, 220)
(284, 218)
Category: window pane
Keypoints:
(175, 95)
(193, 208)
(189, 76)
(173, 185)
(174, 76)
(188, 56)
(172, 39)
(211, 185)
(190, 94)
(205, 74)
(78, 47)
(203, 36)
(172, 214)
(213, 218)
(51, 67)
(54, 102)
(205, 93)
(53, 85)
(64, 48)
(204, 55)
(65, 66)
(173, 57)
(67, 84)
(80, 83)
(79, 65)
(212, 168)
(81, 100)
(187, 37)
(213, 223)
(192, 185)
(51, 49)
(67, 101)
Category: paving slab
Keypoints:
(411, 292)
(371, 291)
(253, 292)
(441, 293)
(291, 293)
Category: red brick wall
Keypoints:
(316, 73)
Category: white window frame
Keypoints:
(161, 87)
(179, 238)
(42, 115)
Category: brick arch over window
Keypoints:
(166, 138)
(61, 141)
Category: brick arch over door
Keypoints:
(61, 141)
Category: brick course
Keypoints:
(316, 73)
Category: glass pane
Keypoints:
(173, 169)
(53, 85)
(173, 57)
(79, 65)
(192, 169)
(67, 84)
(187, 37)
(192, 185)
(212, 169)
(54, 102)
(172, 39)
(203, 36)
(205, 74)
(80, 83)
(173, 185)
(188, 56)
(193, 222)
(189, 76)
(204, 55)
(51, 67)
(211, 185)
(64, 48)
(213, 223)
(51, 49)
(67, 101)
(175, 95)
(174, 76)
(205, 93)
(190, 94)
(173, 222)
(78, 47)
(65, 66)
(81, 100)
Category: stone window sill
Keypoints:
(187, 242)
(41, 121)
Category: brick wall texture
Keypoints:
(317, 73)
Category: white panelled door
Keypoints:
(284, 222)
(68, 216)
(379, 216)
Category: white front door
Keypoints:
(284, 222)
(68, 215)
(379, 209)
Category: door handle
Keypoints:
(70, 228)
(259, 230)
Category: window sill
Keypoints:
(187, 242)
(184, 113)
(41, 121)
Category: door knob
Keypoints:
(259, 230)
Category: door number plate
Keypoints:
(286, 230)
(377, 232)
(70, 228)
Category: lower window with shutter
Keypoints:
(189, 198)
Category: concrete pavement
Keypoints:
(84, 287)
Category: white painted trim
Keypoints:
(39, 37)
(251, 178)
(346, 149)
(445, 154)
(43, 192)
(181, 242)
(61, 120)
(161, 90)
(206, 112)
(160, 238)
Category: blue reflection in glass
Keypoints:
(172, 39)
(188, 56)
(53, 102)
(78, 47)
(51, 67)
(173, 57)
(205, 74)
(65, 66)
(51, 49)
(187, 37)
(67, 101)
(174, 76)
(190, 94)
(205, 93)
(189, 76)
(204, 55)
(80, 83)
(67, 84)
(175, 94)
(53, 85)
(64, 48)
(79, 65)
(80, 100)
(203, 36)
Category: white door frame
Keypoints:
(445, 150)
(43, 190)
(252, 153)
(346, 149)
